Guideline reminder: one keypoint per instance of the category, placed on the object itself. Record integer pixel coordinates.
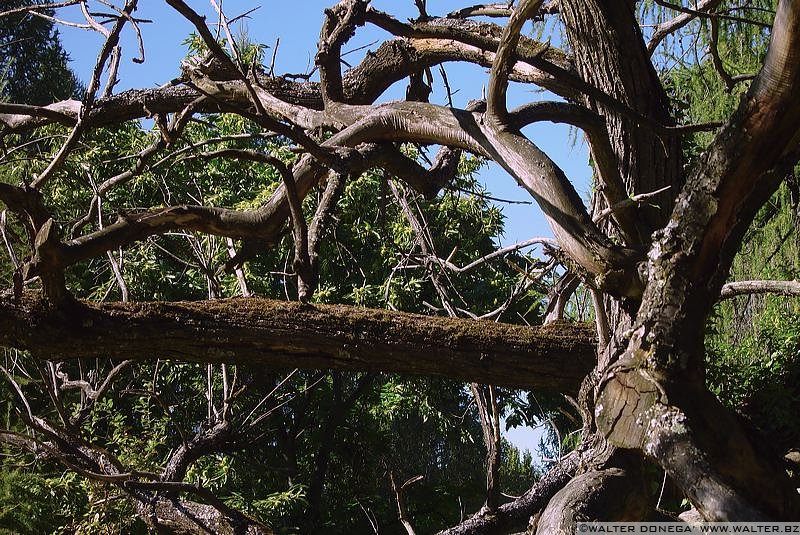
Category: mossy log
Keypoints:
(280, 334)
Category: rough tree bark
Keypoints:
(290, 335)
(654, 398)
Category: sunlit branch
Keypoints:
(736, 288)
(666, 28)
(504, 60)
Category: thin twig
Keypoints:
(52, 5)
(400, 497)
(632, 201)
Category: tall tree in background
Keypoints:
(34, 67)
(655, 249)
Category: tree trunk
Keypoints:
(654, 398)
(608, 34)
(613, 494)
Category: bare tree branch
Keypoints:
(112, 38)
(504, 58)
(668, 27)
(400, 498)
(51, 5)
(733, 289)
(716, 59)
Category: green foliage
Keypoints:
(517, 470)
(754, 347)
(249, 51)
(33, 66)
(282, 504)
(406, 425)
(759, 374)
(694, 84)
(38, 503)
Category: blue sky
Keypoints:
(297, 25)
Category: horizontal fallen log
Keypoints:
(281, 334)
